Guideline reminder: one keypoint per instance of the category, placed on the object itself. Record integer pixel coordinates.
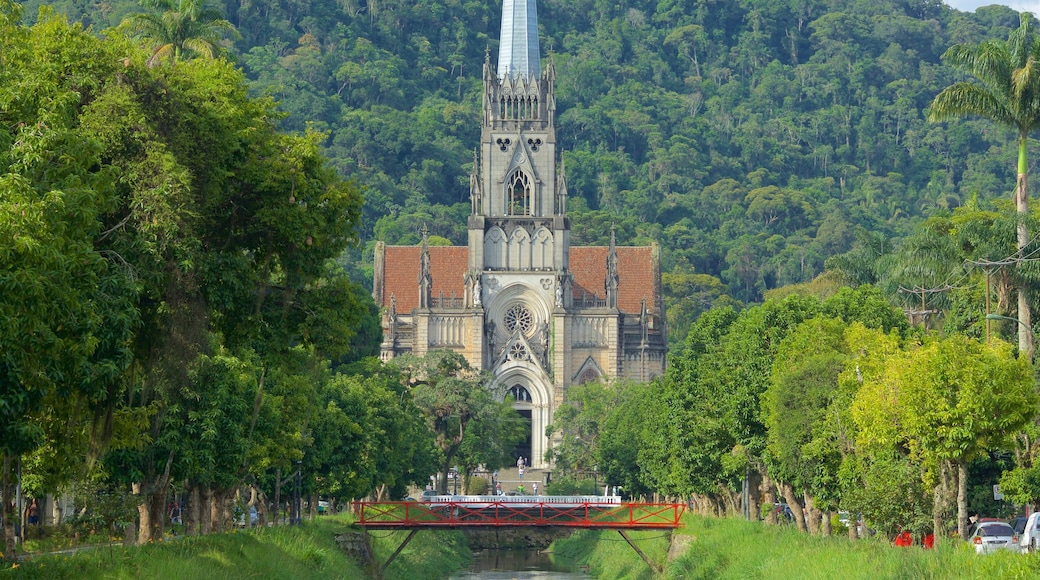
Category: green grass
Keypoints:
(733, 548)
(608, 555)
(297, 552)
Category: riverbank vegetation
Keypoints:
(712, 548)
(306, 551)
(826, 405)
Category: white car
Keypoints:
(1030, 539)
(992, 536)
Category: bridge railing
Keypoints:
(495, 511)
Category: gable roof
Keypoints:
(448, 264)
(635, 275)
(401, 274)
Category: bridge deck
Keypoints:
(498, 511)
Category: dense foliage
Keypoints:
(175, 327)
(751, 139)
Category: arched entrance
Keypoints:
(522, 405)
(531, 395)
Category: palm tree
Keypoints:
(1009, 95)
(180, 29)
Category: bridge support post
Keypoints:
(382, 569)
(653, 567)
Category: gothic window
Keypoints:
(519, 317)
(520, 394)
(519, 202)
(589, 376)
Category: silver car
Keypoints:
(993, 536)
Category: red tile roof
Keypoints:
(401, 274)
(635, 275)
(588, 264)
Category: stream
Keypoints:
(518, 564)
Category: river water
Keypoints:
(519, 565)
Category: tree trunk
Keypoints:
(754, 505)
(7, 491)
(962, 499)
(144, 515)
(1025, 323)
(194, 499)
(812, 514)
(157, 505)
(278, 496)
(768, 491)
(313, 507)
(940, 500)
(216, 511)
(730, 502)
(261, 509)
(795, 504)
(226, 515)
(853, 526)
(205, 513)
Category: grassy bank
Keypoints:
(298, 552)
(729, 548)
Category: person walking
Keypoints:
(534, 488)
(33, 513)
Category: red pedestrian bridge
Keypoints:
(491, 511)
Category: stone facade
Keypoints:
(518, 299)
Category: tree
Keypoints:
(179, 29)
(943, 404)
(455, 399)
(800, 450)
(65, 320)
(1009, 96)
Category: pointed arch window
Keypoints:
(519, 202)
(520, 394)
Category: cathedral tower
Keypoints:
(517, 299)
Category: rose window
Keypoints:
(517, 351)
(519, 317)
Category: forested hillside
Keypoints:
(751, 138)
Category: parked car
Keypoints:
(992, 536)
(254, 517)
(1018, 524)
(428, 495)
(1029, 539)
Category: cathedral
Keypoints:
(518, 300)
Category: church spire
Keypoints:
(518, 54)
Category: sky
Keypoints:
(1016, 5)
